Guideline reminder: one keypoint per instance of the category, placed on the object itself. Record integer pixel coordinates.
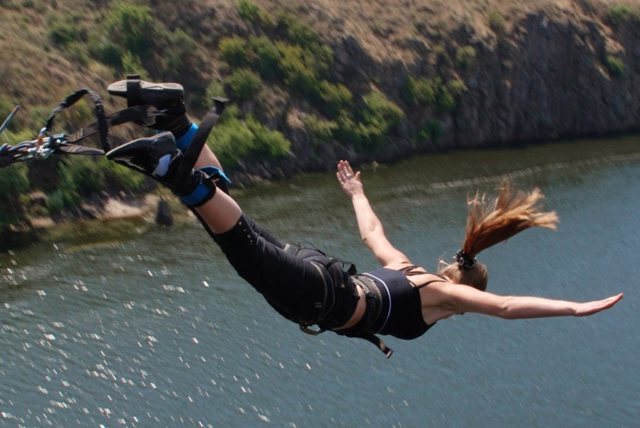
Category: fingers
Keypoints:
(345, 172)
(590, 308)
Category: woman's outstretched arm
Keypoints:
(369, 225)
(462, 298)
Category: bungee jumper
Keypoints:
(311, 288)
(304, 284)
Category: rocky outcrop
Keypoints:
(541, 77)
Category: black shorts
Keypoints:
(296, 283)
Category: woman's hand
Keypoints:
(590, 308)
(349, 181)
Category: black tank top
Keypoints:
(401, 314)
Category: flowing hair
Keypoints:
(491, 222)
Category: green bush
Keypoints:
(321, 130)
(434, 92)
(14, 182)
(235, 51)
(346, 130)
(380, 109)
(105, 51)
(267, 56)
(131, 27)
(298, 32)
(123, 177)
(215, 89)
(61, 199)
(620, 14)
(234, 140)
(448, 95)
(333, 98)
(465, 57)
(181, 57)
(298, 75)
(131, 64)
(243, 84)
(268, 143)
(456, 87)
(63, 33)
(251, 12)
(377, 118)
(81, 174)
(497, 22)
(615, 65)
(421, 92)
(432, 130)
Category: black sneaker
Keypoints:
(166, 97)
(159, 158)
(150, 156)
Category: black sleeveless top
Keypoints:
(401, 309)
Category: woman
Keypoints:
(311, 288)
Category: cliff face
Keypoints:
(551, 78)
(540, 74)
(314, 82)
(463, 74)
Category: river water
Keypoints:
(140, 326)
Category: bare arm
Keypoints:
(370, 227)
(462, 298)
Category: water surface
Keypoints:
(151, 327)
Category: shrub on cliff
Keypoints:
(14, 182)
(78, 178)
(235, 139)
(621, 14)
(242, 84)
(375, 120)
(131, 27)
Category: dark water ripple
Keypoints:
(157, 330)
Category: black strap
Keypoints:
(134, 90)
(130, 114)
(388, 352)
(8, 119)
(200, 139)
(101, 120)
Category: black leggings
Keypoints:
(299, 289)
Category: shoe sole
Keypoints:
(119, 88)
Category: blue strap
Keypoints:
(201, 194)
(213, 171)
(184, 141)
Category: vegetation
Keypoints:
(237, 139)
(621, 14)
(271, 59)
(615, 65)
(465, 57)
(13, 183)
(497, 22)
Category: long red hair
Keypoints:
(492, 221)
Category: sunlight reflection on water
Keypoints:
(155, 328)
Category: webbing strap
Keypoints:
(101, 120)
(134, 90)
(200, 139)
(8, 119)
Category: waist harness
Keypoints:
(340, 295)
(363, 329)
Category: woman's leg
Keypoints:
(169, 98)
(219, 213)
(297, 288)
